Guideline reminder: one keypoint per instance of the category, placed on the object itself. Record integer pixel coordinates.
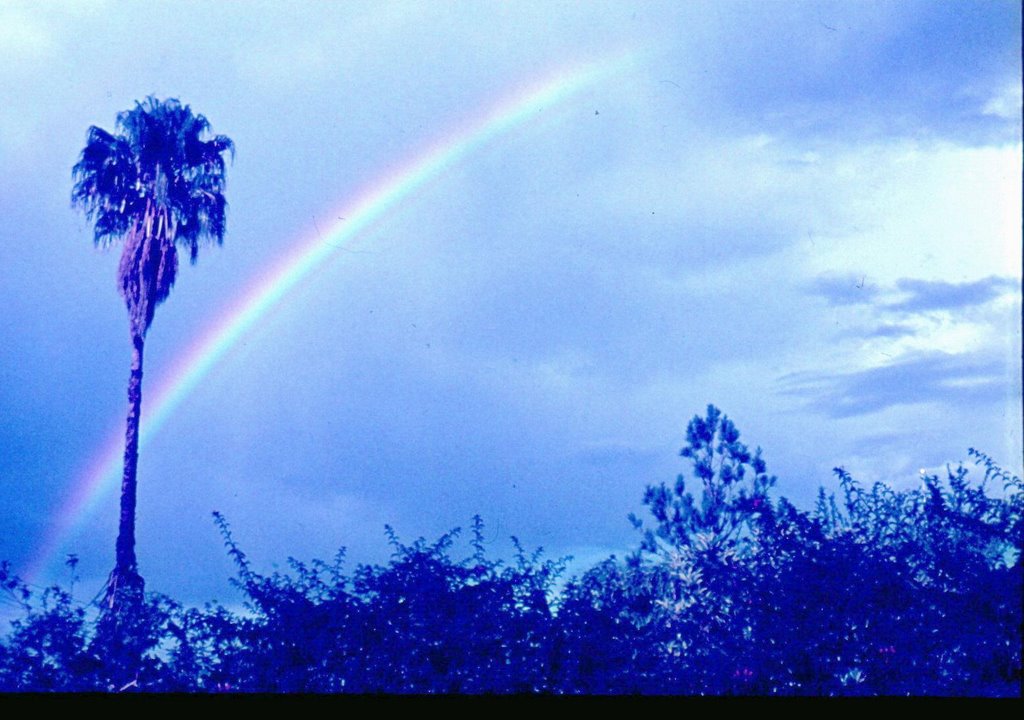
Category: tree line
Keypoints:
(730, 590)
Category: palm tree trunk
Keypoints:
(120, 639)
(126, 566)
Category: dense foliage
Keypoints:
(877, 591)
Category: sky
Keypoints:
(805, 213)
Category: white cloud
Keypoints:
(1006, 103)
(940, 212)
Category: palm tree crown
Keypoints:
(156, 183)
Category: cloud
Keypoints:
(928, 295)
(933, 312)
(812, 69)
(933, 377)
(891, 331)
(920, 295)
(1005, 103)
(845, 290)
(913, 341)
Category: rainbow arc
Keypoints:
(101, 476)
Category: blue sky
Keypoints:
(806, 213)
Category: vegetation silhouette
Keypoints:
(731, 591)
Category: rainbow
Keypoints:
(102, 474)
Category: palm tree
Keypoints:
(158, 185)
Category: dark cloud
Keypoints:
(617, 457)
(845, 290)
(909, 69)
(921, 295)
(952, 380)
(890, 331)
(925, 295)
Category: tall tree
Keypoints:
(157, 184)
